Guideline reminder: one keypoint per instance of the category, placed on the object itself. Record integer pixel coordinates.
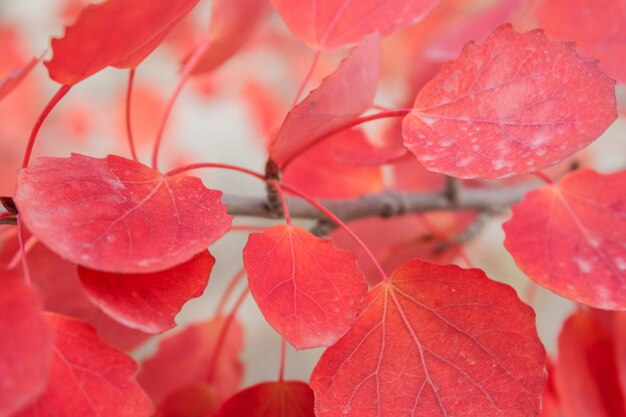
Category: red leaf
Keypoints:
(328, 24)
(199, 400)
(341, 98)
(587, 376)
(435, 341)
(515, 104)
(119, 33)
(26, 347)
(306, 288)
(191, 350)
(320, 172)
(575, 248)
(88, 378)
(14, 79)
(148, 302)
(597, 27)
(117, 215)
(233, 22)
(275, 399)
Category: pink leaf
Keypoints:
(328, 24)
(306, 288)
(88, 378)
(340, 99)
(575, 248)
(270, 399)
(119, 33)
(435, 341)
(26, 347)
(117, 215)
(515, 104)
(14, 79)
(148, 302)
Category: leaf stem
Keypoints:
(283, 200)
(215, 165)
(42, 117)
(221, 338)
(543, 177)
(236, 279)
(307, 77)
(344, 226)
(129, 129)
(345, 126)
(187, 70)
(283, 359)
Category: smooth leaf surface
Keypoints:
(341, 98)
(435, 341)
(117, 215)
(327, 24)
(14, 79)
(576, 247)
(270, 399)
(198, 400)
(515, 104)
(307, 289)
(233, 22)
(148, 302)
(119, 33)
(88, 378)
(598, 28)
(26, 347)
(192, 350)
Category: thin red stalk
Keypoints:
(20, 237)
(5, 215)
(215, 165)
(543, 177)
(24, 249)
(42, 118)
(344, 226)
(221, 338)
(283, 359)
(346, 126)
(463, 255)
(283, 200)
(129, 128)
(246, 228)
(236, 279)
(307, 77)
(187, 70)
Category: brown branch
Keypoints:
(386, 204)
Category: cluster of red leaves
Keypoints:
(117, 242)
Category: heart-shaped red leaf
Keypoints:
(328, 24)
(26, 347)
(275, 399)
(515, 104)
(148, 302)
(597, 27)
(307, 289)
(341, 98)
(14, 79)
(117, 215)
(88, 378)
(119, 33)
(233, 22)
(435, 341)
(192, 350)
(569, 238)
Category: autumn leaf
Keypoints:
(434, 341)
(328, 24)
(597, 27)
(192, 350)
(117, 215)
(26, 348)
(148, 302)
(516, 104)
(575, 248)
(10, 82)
(198, 400)
(233, 22)
(119, 33)
(306, 288)
(341, 98)
(275, 399)
(88, 378)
